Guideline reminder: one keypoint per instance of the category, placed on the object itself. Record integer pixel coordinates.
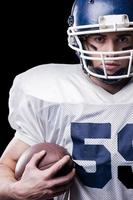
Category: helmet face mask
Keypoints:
(103, 24)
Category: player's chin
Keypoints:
(111, 73)
(116, 72)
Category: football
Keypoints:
(54, 152)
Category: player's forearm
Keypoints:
(6, 181)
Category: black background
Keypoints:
(32, 33)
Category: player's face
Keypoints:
(108, 42)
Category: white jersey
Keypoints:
(58, 103)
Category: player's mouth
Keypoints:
(112, 65)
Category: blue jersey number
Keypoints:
(99, 153)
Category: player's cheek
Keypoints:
(96, 63)
(124, 63)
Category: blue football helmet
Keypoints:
(101, 16)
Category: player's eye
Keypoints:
(99, 39)
(96, 38)
(124, 39)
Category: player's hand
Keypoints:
(42, 184)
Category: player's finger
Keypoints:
(52, 171)
(63, 180)
(59, 188)
(36, 157)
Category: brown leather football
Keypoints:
(54, 152)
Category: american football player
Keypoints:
(85, 107)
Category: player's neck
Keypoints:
(111, 88)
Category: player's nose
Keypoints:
(111, 47)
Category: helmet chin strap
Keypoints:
(111, 81)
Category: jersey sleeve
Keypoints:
(25, 114)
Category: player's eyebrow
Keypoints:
(125, 35)
(98, 34)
